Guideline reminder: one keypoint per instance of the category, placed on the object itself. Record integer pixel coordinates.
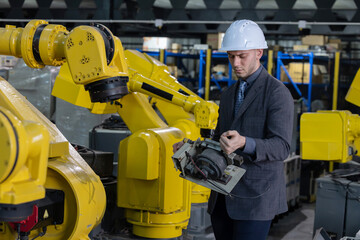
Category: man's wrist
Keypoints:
(243, 146)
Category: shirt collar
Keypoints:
(253, 76)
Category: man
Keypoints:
(255, 119)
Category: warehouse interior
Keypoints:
(83, 158)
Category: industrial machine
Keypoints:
(46, 188)
(332, 135)
(204, 163)
(173, 115)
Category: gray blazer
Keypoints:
(266, 115)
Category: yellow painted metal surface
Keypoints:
(137, 113)
(26, 43)
(336, 80)
(84, 193)
(87, 66)
(177, 117)
(56, 45)
(159, 207)
(270, 63)
(335, 92)
(142, 164)
(57, 149)
(148, 184)
(67, 90)
(156, 199)
(151, 229)
(171, 112)
(24, 150)
(205, 115)
(174, 115)
(353, 95)
(329, 135)
(51, 45)
(207, 74)
(332, 135)
(167, 88)
(199, 194)
(9, 40)
(162, 55)
(18, 41)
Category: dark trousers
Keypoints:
(226, 228)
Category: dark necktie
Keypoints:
(240, 96)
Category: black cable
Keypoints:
(18, 230)
(112, 122)
(41, 233)
(206, 179)
(220, 188)
(202, 173)
(237, 196)
(93, 135)
(193, 162)
(82, 149)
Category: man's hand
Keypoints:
(177, 146)
(231, 141)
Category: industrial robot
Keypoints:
(46, 189)
(332, 135)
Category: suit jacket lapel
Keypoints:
(250, 96)
(230, 100)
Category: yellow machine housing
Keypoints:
(174, 115)
(332, 135)
(24, 146)
(353, 94)
(41, 158)
(329, 135)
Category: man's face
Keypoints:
(245, 62)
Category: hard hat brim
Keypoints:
(226, 49)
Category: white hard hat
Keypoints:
(243, 35)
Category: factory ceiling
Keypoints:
(192, 17)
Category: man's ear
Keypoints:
(259, 53)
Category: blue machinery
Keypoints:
(163, 55)
(280, 64)
(202, 64)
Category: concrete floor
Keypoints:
(295, 225)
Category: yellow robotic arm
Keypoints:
(90, 52)
(96, 74)
(151, 77)
(91, 56)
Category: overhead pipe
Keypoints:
(160, 22)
